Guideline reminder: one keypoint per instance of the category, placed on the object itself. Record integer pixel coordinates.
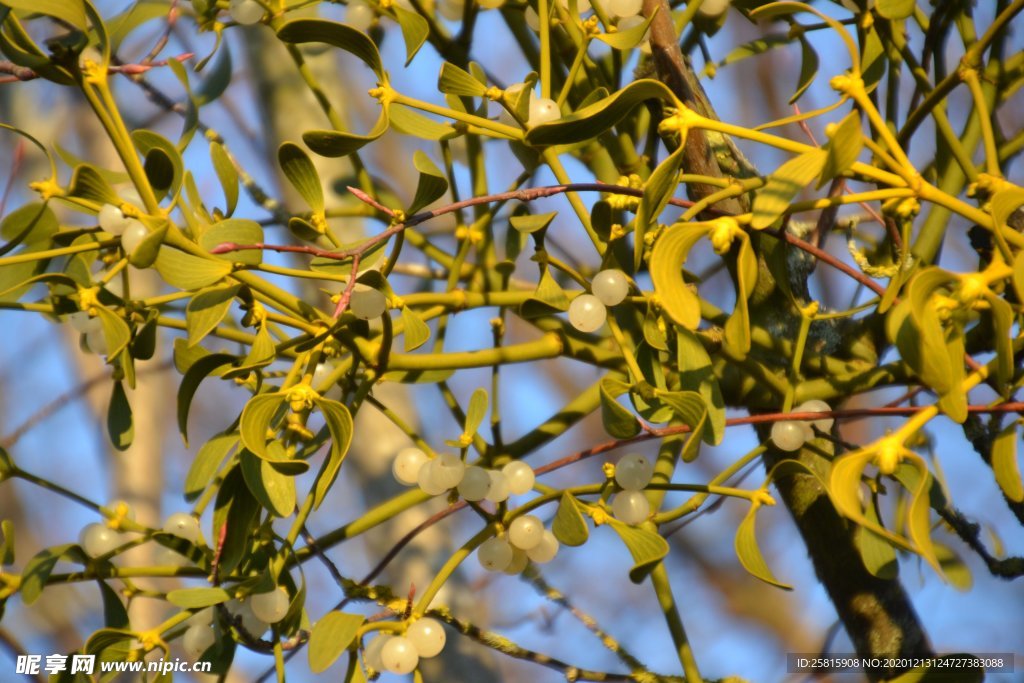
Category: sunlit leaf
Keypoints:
(647, 548)
(749, 553)
(666, 263)
(331, 635)
(569, 526)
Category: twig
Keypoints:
(23, 73)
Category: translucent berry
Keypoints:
(475, 484)
(165, 557)
(197, 640)
(546, 550)
(625, 8)
(407, 464)
(371, 655)
(499, 489)
(520, 477)
(790, 435)
(245, 12)
(587, 313)
(133, 235)
(270, 607)
(83, 323)
(99, 539)
(427, 636)
(183, 525)
(448, 470)
(495, 554)
(634, 472)
(96, 341)
(519, 561)
(359, 15)
(399, 655)
(111, 219)
(817, 406)
(631, 507)
(543, 110)
(426, 480)
(713, 8)
(610, 286)
(252, 624)
(320, 375)
(367, 302)
(526, 532)
(203, 617)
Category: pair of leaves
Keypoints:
(262, 410)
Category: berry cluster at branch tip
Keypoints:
(401, 654)
(791, 435)
(446, 471)
(632, 473)
(588, 312)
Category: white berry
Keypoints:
(270, 607)
(165, 557)
(183, 525)
(475, 484)
(98, 539)
(625, 8)
(252, 624)
(499, 489)
(587, 313)
(520, 477)
(399, 655)
(546, 550)
(631, 507)
(817, 406)
(427, 636)
(518, 563)
(133, 235)
(366, 302)
(610, 286)
(713, 8)
(451, 10)
(543, 110)
(245, 12)
(407, 464)
(426, 480)
(111, 219)
(634, 472)
(371, 655)
(495, 554)
(526, 532)
(320, 375)
(789, 435)
(83, 323)
(197, 640)
(203, 617)
(359, 15)
(448, 470)
(96, 341)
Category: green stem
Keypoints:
(663, 590)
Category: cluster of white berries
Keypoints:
(245, 12)
(633, 473)
(255, 615)
(791, 435)
(542, 109)
(401, 654)
(438, 475)
(100, 538)
(526, 540)
(131, 231)
(587, 312)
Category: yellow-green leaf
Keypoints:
(415, 332)
(569, 526)
(339, 424)
(302, 174)
(256, 421)
(119, 418)
(415, 30)
(737, 327)
(274, 490)
(455, 81)
(206, 310)
(647, 548)
(1005, 465)
(71, 11)
(432, 183)
(666, 263)
(239, 231)
(658, 189)
(227, 174)
(895, 9)
(843, 148)
(618, 421)
(197, 598)
(772, 200)
(196, 372)
(331, 636)
(749, 553)
(186, 272)
(115, 331)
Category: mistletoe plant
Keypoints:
(653, 181)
